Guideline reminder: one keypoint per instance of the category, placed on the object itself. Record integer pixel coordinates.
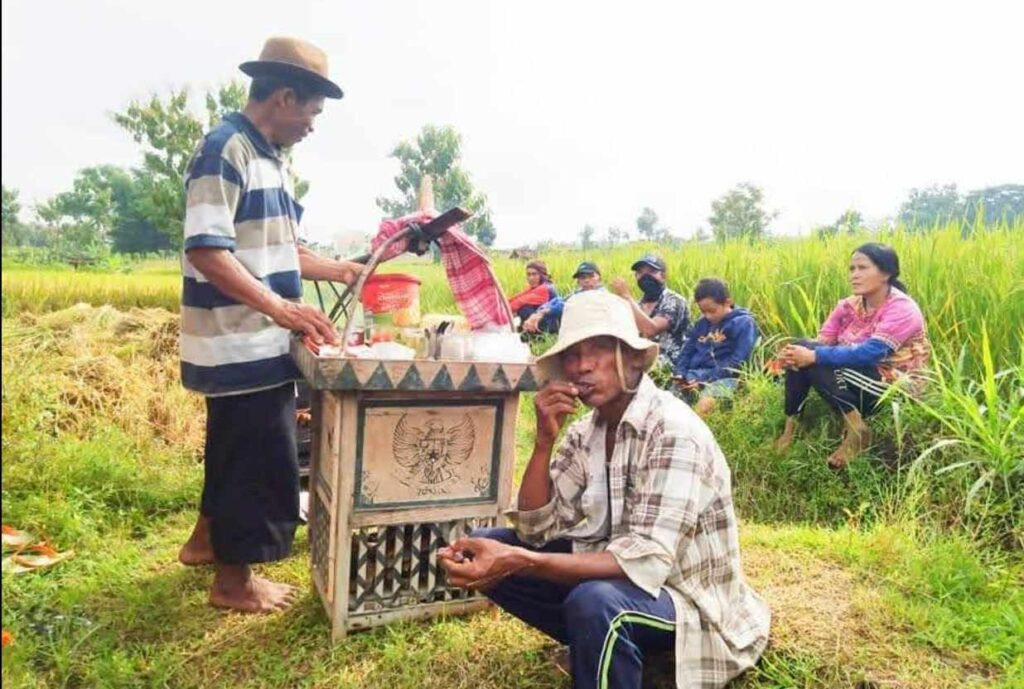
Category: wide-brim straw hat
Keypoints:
(595, 313)
(293, 58)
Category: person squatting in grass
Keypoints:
(872, 339)
(625, 540)
(241, 298)
(539, 291)
(587, 277)
(717, 346)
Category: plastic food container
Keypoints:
(397, 294)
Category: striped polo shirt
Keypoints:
(239, 197)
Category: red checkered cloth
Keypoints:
(474, 286)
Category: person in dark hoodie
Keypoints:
(717, 346)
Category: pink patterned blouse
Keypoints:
(897, 322)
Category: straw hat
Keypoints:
(595, 313)
(293, 58)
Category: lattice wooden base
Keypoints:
(395, 476)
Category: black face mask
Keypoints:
(651, 287)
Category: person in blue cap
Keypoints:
(587, 276)
(661, 314)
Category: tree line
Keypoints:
(141, 209)
(741, 213)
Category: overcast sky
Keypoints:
(570, 112)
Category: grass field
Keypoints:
(904, 572)
(790, 285)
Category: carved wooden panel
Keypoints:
(420, 453)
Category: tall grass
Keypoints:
(980, 442)
(791, 285)
(959, 278)
(39, 289)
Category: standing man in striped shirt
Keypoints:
(241, 298)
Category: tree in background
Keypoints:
(1004, 203)
(17, 232)
(80, 220)
(437, 152)
(848, 223)
(740, 213)
(587, 237)
(11, 220)
(647, 227)
(169, 133)
(616, 235)
(130, 232)
(102, 209)
(925, 208)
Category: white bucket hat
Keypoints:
(595, 313)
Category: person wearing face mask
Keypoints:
(661, 314)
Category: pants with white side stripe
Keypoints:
(845, 389)
(610, 625)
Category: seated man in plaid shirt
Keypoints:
(625, 539)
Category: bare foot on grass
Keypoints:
(854, 442)
(236, 588)
(198, 550)
(704, 406)
(785, 441)
(856, 439)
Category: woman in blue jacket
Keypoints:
(717, 346)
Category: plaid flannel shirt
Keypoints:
(672, 525)
(474, 286)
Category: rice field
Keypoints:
(963, 285)
(904, 571)
(44, 288)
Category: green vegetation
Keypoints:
(905, 571)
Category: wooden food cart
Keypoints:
(407, 456)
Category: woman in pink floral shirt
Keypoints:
(871, 340)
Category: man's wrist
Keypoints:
(342, 272)
(272, 305)
(524, 558)
(543, 443)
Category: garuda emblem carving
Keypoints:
(431, 452)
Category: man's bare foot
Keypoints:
(785, 441)
(198, 549)
(704, 406)
(235, 587)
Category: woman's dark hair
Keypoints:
(885, 259)
(541, 268)
(263, 87)
(711, 288)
